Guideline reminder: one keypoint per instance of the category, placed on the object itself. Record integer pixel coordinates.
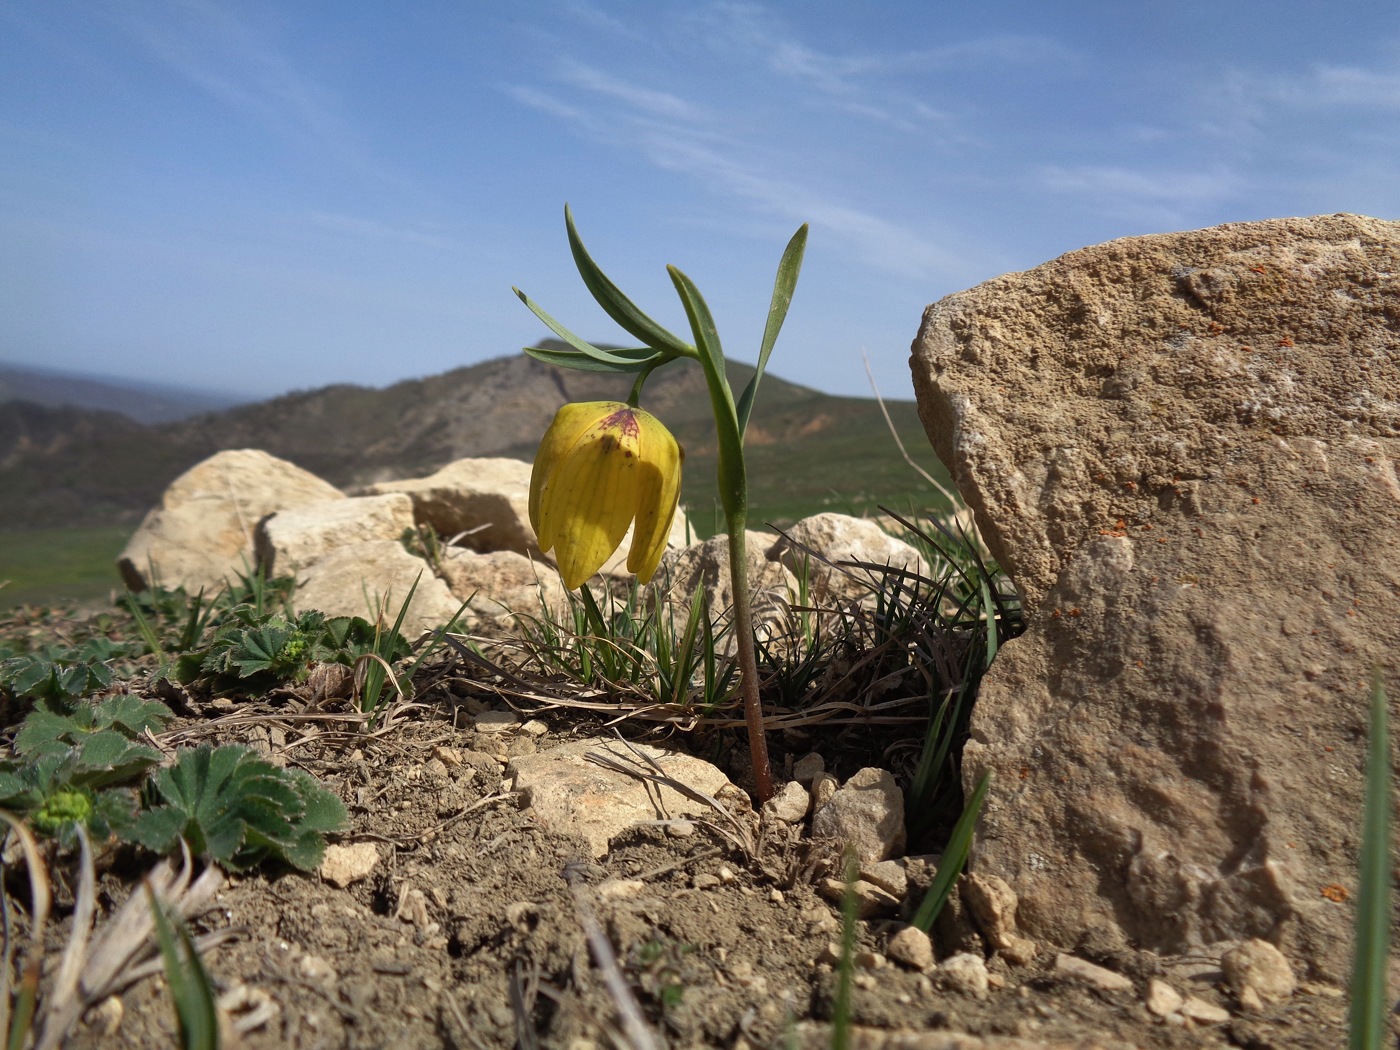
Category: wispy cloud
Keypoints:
(374, 229)
(1148, 195)
(640, 99)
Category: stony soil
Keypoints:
(469, 933)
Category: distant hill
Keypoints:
(807, 450)
(142, 402)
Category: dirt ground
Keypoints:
(470, 930)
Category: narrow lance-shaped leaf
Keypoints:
(581, 345)
(1369, 1001)
(788, 269)
(617, 306)
(733, 482)
(583, 363)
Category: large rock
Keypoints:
(703, 568)
(485, 502)
(289, 540)
(843, 544)
(503, 585)
(1183, 448)
(372, 579)
(201, 533)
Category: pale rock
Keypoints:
(839, 541)
(1183, 449)
(372, 579)
(1162, 999)
(1259, 968)
(824, 785)
(788, 805)
(1202, 1012)
(343, 865)
(287, 541)
(494, 722)
(867, 960)
(479, 503)
(870, 900)
(200, 535)
(992, 904)
(808, 768)
(1083, 970)
(501, 585)
(867, 813)
(890, 875)
(911, 947)
(315, 969)
(966, 972)
(703, 569)
(573, 795)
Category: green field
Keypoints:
(57, 565)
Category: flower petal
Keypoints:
(570, 423)
(591, 497)
(660, 490)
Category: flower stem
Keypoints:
(748, 661)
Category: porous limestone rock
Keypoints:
(1183, 449)
(574, 795)
(501, 584)
(839, 540)
(866, 813)
(201, 533)
(372, 579)
(704, 568)
(479, 503)
(288, 540)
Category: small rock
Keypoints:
(534, 727)
(1258, 967)
(808, 768)
(788, 805)
(106, 1017)
(966, 973)
(830, 954)
(1202, 1012)
(911, 947)
(1162, 999)
(870, 899)
(993, 906)
(496, 721)
(868, 960)
(620, 889)
(889, 875)
(1083, 970)
(448, 756)
(824, 785)
(680, 829)
(866, 813)
(315, 969)
(343, 865)
(704, 881)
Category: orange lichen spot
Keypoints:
(1025, 772)
(1055, 615)
(1328, 747)
(1256, 500)
(1257, 269)
(1074, 611)
(1247, 349)
(1161, 539)
(1284, 341)
(1145, 528)
(1131, 486)
(1335, 893)
(1215, 328)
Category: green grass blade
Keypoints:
(954, 858)
(189, 982)
(617, 306)
(783, 285)
(1368, 982)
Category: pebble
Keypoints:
(680, 829)
(1162, 999)
(496, 721)
(316, 969)
(534, 727)
(1083, 970)
(1202, 1012)
(911, 947)
(870, 899)
(889, 875)
(868, 960)
(808, 768)
(1258, 972)
(966, 973)
(788, 805)
(343, 865)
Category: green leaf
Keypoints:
(954, 858)
(783, 286)
(1369, 1001)
(583, 363)
(733, 481)
(189, 982)
(43, 733)
(324, 811)
(581, 345)
(158, 829)
(617, 306)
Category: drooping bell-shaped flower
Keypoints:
(601, 467)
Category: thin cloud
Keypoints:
(644, 100)
(376, 230)
(1161, 197)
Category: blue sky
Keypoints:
(256, 197)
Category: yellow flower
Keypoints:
(601, 466)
